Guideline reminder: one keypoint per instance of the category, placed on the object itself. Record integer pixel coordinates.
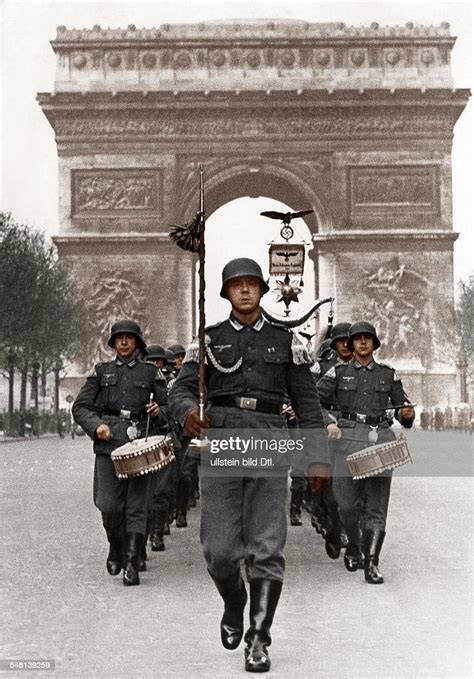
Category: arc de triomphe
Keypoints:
(355, 122)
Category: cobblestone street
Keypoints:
(59, 603)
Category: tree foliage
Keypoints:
(40, 318)
(465, 314)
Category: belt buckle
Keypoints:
(361, 418)
(125, 414)
(248, 403)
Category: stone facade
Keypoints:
(355, 122)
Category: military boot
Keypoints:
(182, 499)
(353, 558)
(372, 541)
(264, 596)
(157, 531)
(333, 538)
(115, 556)
(132, 552)
(296, 502)
(232, 590)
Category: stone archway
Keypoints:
(356, 123)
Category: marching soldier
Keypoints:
(179, 353)
(252, 365)
(187, 476)
(162, 482)
(363, 390)
(112, 407)
(326, 514)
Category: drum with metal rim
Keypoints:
(142, 456)
(379, 458)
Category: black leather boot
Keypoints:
(296, 502)
(182, 499)
(264, 596)
(353, 559)
(372, 541)
(333, 538)
(115, 557)
(157, 532)
(156, 541)
(232, 590)
(132, 552)
(142, 557)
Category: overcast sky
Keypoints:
(29, 181)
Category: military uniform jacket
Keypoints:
(117, 386)
(320, 368)
(367, 390)
(263, 361)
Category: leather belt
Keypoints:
(247, 403)
(123, 414)
(364, 419)
(328, 406)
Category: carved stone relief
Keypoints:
(123, 191)
(242, 124)
(395, 301)
(393, 187)
(104, 299)
(399, 301)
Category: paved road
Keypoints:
(59, 603)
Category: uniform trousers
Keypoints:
(244, 518)
(365, 500)
(123, 502)
(162, 488)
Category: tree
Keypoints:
(40, 318)
(465, 315)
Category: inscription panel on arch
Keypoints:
(117, 192)
(395, 189)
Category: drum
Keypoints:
(379, 458)
(142, 456)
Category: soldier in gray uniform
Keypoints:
(326, 514)
(112, 408)
(163, 481)
(252, 364)
(363, 390)
(187, 474)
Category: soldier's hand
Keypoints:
(318, 478)
(153, 409)
(334, 433)
(194, 425)
(103, 432)
(407, 412)
(287, 410)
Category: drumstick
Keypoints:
(404, 405)
(148, 417)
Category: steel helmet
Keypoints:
(129, 327)
(362, 327)
(155, 351)
(340, 331)
(242, 267)
(176, 349)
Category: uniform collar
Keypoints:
(130, 362)
(257, 325)
(369, 366)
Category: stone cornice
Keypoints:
(367, 236)
(243, 29)
(315, 96)
(271, 53)
(113, 244)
